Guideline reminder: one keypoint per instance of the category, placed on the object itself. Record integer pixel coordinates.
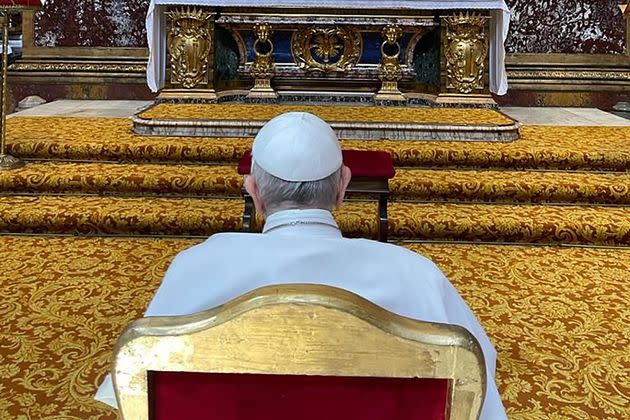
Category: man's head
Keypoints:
(296, 164)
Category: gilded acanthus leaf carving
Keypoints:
(465, 51)
(189, 45)
(327, 49)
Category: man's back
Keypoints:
(297, 164)
(228, 265)
(305, 246)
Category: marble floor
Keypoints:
(85, 108)
(528, 116)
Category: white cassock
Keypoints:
(306, 246)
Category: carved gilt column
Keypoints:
(263, 66)
(389, 70)
(190, 44)
(465, 59)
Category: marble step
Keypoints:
(348, 121)
(81, 215)
(409, 183)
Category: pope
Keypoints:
(297, 179)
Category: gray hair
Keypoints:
(278, 194)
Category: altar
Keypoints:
(403, 50)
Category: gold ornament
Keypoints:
(190, 44)
(389, 70)
(465, 49)
(263, 66)
(330, 49)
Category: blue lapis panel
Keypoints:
(282, 46)
(248, 37)
(371, 48)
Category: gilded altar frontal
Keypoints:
(315, 209)
(351, 52)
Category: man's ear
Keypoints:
(344, 180)
(252, 189)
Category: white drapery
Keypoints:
(156, 68)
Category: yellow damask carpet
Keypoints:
(558, 317)
(58, 138)
(331, 113)
(417, 184)
(93, 215)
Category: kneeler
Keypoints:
(371, 172)
(297, 351)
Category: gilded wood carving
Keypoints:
(190, 43)
(465, 49)
(298, 329)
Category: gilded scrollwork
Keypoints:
(263, 66)
(326, 49)
(465, 49)
(389, 69)
(190, 43)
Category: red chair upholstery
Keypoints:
(196, 396)
(362, 163)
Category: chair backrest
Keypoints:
(282, 348)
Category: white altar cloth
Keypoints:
(156, 68)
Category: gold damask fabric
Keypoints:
(90, 215)
(331, 113)
(122, 179)
(408, 184)
(601, 148)
(558, 318)
(510, 186)
(425, 221)
(110, 139)
(510, 223)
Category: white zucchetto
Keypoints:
(297, 147)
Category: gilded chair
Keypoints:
(297, 352)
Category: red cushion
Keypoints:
(185, 395)
(362, 163)
(27, 3)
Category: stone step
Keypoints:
(85, 215)
(348, 121)
(408, 184)
(111, 139)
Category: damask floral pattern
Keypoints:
(88, 215)
(408, 184)
(510, 186)
(511, 223)
(330, 113)
(119, 216)
(580, 148)
(560, 321)
(558, 317)
(122, 179)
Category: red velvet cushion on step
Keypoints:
(362, 163)
(21, 3)
(192, 396)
